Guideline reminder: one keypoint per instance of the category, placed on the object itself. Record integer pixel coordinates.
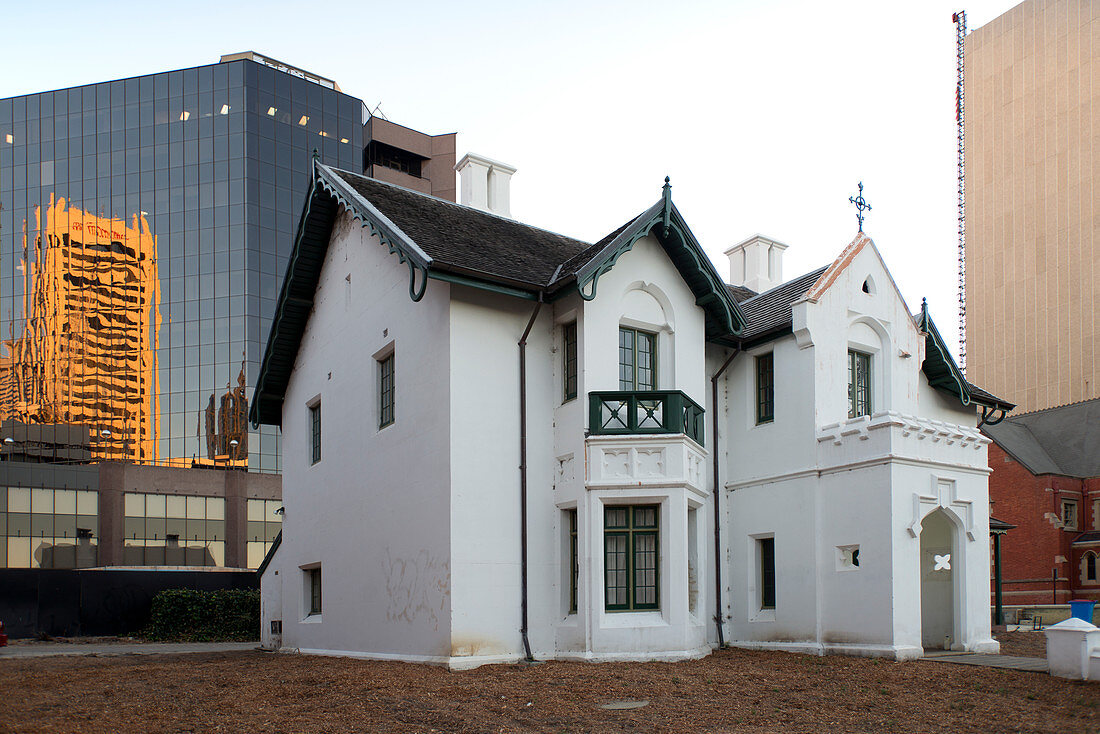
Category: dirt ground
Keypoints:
(732, 690)
(1023, 644)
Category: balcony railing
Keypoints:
(648, 411)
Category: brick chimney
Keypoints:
(485, 184)
(756, 263)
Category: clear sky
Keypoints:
(765, 114)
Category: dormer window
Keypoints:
(637, 359)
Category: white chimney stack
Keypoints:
(485, 184)
(756, 263)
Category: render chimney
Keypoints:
(485, 184)
(756, 263)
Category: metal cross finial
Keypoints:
(861, 205)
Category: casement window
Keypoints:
(765, 388)
(574, 564)
(569, 361)
(1069, 514)
(313, 579)
(315, 432)
(859, 384)
(765, 552)
(637, 359)
(385, 391)
(631, 537)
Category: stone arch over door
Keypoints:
(941, 575)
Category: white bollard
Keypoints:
(1068, 646)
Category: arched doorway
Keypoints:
(939, 563)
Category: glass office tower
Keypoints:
(145, 226)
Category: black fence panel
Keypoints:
(66, 603)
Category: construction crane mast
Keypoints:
(959, 19)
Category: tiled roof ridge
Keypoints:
(463, 206)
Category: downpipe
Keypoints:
(718, 616)
(523, 477)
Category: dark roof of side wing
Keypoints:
(1064, 440)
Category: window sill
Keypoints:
(613, 619)
(312, 619)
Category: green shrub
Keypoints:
(189, 615)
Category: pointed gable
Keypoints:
(838, 266)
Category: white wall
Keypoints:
(824, 483)
(386, 589)
(485, 509)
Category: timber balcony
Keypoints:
(620, 413)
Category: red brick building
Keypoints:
(1046, 482)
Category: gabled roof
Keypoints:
(768, 316)
(664, 221)
(1064, 440)
(441, 240)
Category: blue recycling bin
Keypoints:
(1082, 609)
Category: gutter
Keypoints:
(718, 616)
(523, 475)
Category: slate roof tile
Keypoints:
(770, 311)
(469, 239)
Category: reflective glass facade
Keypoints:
(145, 225)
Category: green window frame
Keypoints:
(574, 562)
(315, 432)
(766, 552)
(631, 557)
(859, 384)
(385, 391)
(314, 575)
(637, 359)
(569, 361)
(765, 388)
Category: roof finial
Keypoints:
(666, 194)
(861, 206)
(315, 156)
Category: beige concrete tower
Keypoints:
(1033, 267)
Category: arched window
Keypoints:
(1090, 566)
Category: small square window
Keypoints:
(847, 557)
(1069, 514)
(385, 391)
(315, 432)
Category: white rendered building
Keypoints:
(499, 443)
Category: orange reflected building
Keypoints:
(87, 354)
